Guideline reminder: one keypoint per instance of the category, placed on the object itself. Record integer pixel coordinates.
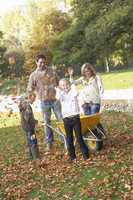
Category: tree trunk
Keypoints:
(106, 64)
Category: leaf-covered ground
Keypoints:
(107, 175)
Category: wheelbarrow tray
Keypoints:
(87, 122)
(89, 125)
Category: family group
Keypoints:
(66, 98)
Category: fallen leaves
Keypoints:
(107, 173)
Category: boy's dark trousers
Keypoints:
(33, 151)
(73, 124)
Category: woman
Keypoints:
(92, 89)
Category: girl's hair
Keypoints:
(89, 67)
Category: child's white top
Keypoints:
(69, 102)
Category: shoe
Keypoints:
(86, 157)
(72, 160)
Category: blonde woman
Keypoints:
(92, 89)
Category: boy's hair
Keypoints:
(65, 80)
(22, 104)
(40, 56)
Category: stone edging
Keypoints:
(118, 105)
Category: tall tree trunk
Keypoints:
(106, 64)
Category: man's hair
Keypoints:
(30, 94)
(40, 56)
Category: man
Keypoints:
(44, 80)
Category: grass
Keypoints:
(106, 175)
(10, 86)
(113, 80)
(118, 79)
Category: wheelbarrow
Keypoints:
(92, 131)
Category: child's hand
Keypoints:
(84, 105)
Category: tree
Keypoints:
(2, 51)
(96, 28)
(46, 24)
(12, 26)
(31, 30)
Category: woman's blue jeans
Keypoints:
(47, 107)
(91, 108)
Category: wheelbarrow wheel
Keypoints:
(95, 145)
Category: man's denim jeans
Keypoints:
(47, 107)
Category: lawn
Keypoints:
(9, 86)
(118, 80)
(107, 175)
(112, 80)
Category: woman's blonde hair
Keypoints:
(89, 67)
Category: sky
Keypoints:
(7, 5)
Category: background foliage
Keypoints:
(99, 32)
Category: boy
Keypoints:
(70, 111)
(28, 123)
